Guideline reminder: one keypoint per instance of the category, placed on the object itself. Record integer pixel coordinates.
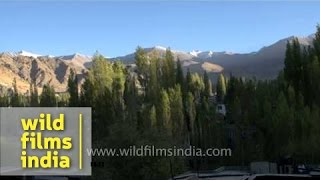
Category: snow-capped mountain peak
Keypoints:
(49, 56)
(160, 48)
(201, 54)
(195, 52)
(29, 54)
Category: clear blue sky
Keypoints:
(117, 28)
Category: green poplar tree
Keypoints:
(48, 97)
(177, 115)
(15, 97)
(73, 89)
(34, 96)
(179, 74)
(164, 111)
(207, 85)
(221, 88)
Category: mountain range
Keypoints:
(47, 69)
(263, 64)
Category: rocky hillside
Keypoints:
(44, 69)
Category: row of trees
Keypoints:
(157, 103)
(279, 118)
(48, 98)
(154, 104)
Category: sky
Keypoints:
(113, 28)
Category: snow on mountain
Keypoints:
(79, 60)
(28, 54)
(160, 48)
(207, 54)
(195, 53)
(63, 57)
(48, 56)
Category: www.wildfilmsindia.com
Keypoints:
(152, 151)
